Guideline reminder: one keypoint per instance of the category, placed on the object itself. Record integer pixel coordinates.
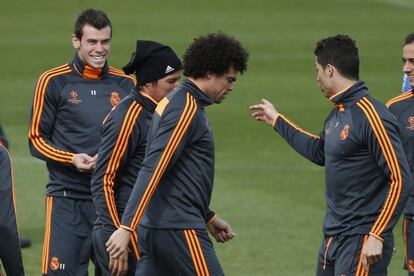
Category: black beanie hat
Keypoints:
(152, 61)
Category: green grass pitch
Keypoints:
(273, 198)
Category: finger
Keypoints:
(125, 263)
(256, 114)
(111, 263)
(256, 107)
(231, 235)
(365, 262)
(264, 101)
(115, 267)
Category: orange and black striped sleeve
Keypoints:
(382, 138)
(120, 135)
(306, 144)
(168, 142)
(42, 117)
(399, 98)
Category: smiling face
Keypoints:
(408, 62)
(94, 46)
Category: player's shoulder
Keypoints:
(120, 75)
(56, 72)
(400, 100)
(176, 101)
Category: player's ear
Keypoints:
(75, 42)
(330, 70)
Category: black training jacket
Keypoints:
(367, 177)
(174, 186)
(122, 150)
(69, 104)
(402, 107)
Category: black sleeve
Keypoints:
(306, 144)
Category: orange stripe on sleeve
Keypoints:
(120, 73)
(297, 127)
(115, 159)
(399, 98)
(392, 162)
(178, 133)
(396, 184)
(34, 135)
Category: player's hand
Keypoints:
(83, 162)
(371, 252)
(265, 112)
(118, 243)
(119, 267)
(220, 230)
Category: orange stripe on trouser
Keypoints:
(405, 222)
(389, 155)
(46, 242)
(360, 269)
(196, 253)
(328, 244)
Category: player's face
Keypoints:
(94, 46)
(220, 86)
(163, 86)
(408, 62)
(323, 79)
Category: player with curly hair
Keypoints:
(170, 200)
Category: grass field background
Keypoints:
(273, 198)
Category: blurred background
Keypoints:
(273, 198)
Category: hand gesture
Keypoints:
(265, 112)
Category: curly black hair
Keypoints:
(214, 53)
(340, 51)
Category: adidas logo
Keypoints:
(168, 69)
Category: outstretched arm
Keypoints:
(308, 145)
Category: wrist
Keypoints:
(376, 236)
(128, 229)
(275, 119)
(211, 219)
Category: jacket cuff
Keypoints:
(376, 236)
(129, 229)
(275, 119)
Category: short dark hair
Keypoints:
(96, 18)
(341, 52)
(409, 39)
(214, 53)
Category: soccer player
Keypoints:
(170, 200)
(124, 134)
(24, 242)
(10, 254)
(367, 176)
(402, 107)
(69, 105)
(406, 86)
(3, 139)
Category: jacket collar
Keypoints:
(145, 100)
(87, 71)
(201, 97)
(350, 95)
